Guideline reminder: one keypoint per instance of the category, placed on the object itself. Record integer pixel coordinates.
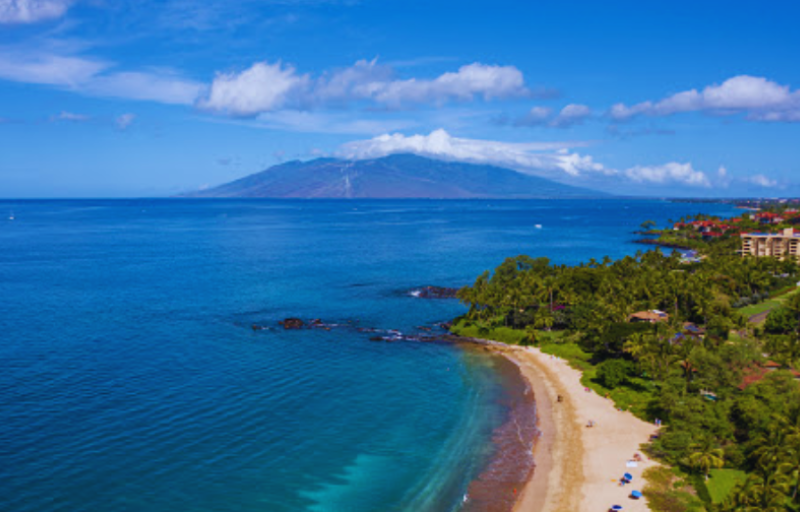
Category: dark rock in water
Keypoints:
(423, 328)
(315, 322)
(292, 323)
(376, 338)
(446, 325)
(435, 292)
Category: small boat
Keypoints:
(11, 216)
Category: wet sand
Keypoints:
(501, 482)
(577, 468)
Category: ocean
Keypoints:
(133, 379)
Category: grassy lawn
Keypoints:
(755, 309)
(504, 334)
(767, 305)
(666, 491)
(722, 481)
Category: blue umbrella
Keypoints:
(616, 507)
(636, 494)
(628, 476)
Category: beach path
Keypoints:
(579, 468)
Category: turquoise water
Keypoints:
(132, 380)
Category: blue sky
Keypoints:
(140, 98)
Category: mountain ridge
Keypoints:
(395, 176)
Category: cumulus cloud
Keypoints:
(672, 172)
(124, 121)
(32, 11)
(557, 160)
(488, 82)
(525, 157)
(261, 88)
(760, 99)
(571, 115)
(762, 181)
(266, 87)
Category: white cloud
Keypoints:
(32, 11)
(762, 181)
(488, 82)
(48, 69)
(571, 115)
(124, 121)
(263, 87)
(70, 116)
(759, 98)
(94, 77)
(537, 116)
(304, 121)
(672, 172)
(555, 160)
(723, 180)
(162, 87)
(268, 87)
(525, 157)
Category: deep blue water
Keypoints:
(132, 381)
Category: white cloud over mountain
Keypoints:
(525, 157)
(760, 99)
(550, 159)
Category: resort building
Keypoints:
(779, 245)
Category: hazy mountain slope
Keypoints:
(394, 176)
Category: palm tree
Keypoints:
(706, 455)
(791, 468)
(771, 449)
(544, 319)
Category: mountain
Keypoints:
(394, 176)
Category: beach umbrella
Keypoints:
(628, 476)
(636, 494)
(616, 507)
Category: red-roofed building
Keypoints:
(752, 376)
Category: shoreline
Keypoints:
(576, 468)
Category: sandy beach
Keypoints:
(578, 468)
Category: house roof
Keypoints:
(752, 376)
(652, 315)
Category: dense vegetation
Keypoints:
(732, 426)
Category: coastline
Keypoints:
(576, 468)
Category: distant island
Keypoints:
(402, 176)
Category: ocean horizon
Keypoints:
(135, 379)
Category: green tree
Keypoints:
(706, 455)
(614, 372)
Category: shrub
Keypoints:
(614, 372)
(780, 321)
